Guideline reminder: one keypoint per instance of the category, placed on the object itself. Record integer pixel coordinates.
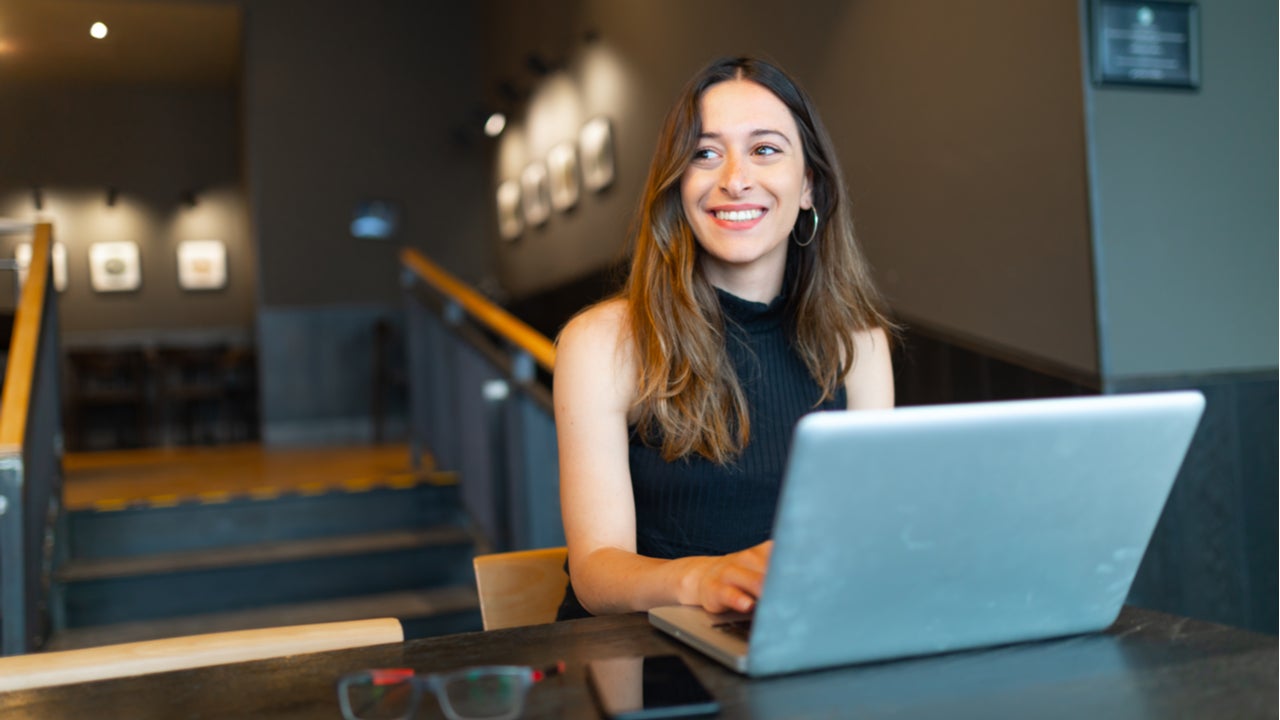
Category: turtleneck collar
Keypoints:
(749, 314)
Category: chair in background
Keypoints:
(34, 670)
(108, 398)
(520, 588)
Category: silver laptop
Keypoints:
(930, 529)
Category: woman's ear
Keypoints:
(806, 193)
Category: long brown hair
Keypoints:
(687, 392)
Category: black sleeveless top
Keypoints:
(695, 507)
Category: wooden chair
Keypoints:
(520, 588)
(34, 670)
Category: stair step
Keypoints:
(261, 554)
(456, 604)
(213, 520)
(112, 590)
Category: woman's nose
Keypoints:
(735, 178)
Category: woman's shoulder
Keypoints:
(598, 327)
(593, 359)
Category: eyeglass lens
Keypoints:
(379, 701)
(485, 695)
(490, 694)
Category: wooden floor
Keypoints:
(167, 476)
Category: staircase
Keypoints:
(217, 561)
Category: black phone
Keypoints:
(658, 686)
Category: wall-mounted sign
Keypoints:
(114, 267)
(595, 141)
(562, 165)
(202, 265)
(1146, 43)
(22, 254)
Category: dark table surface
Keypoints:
(1147, 665)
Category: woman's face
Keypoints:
(745, 187)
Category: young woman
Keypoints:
(748, 305)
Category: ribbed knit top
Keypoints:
(695, 507)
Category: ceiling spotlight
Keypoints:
(494, 125)
(113, 194)
(98, 30)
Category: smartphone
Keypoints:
(659, 686)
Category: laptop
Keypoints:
(932, 529)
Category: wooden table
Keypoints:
(1148, 665)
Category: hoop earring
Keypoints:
(812, 234)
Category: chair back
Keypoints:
(520, 588)
(33, 670)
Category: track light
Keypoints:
(37, 197)
(113, 194)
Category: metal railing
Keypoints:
(30, 457)
(480, 405)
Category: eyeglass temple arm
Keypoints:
(548, 671)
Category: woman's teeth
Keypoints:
(738, 215)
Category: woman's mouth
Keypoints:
(738, 219)
(738, 215)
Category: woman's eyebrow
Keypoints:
(754, 133)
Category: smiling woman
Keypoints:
(748, 305)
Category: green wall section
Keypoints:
(1185, 208)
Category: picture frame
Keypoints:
(535, 192)
(1154, 43)
(510, 219)
(202, 265)
(595, 144)
(562, 167)
(115, 267)
(22, 256)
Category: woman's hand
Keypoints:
(734, 581)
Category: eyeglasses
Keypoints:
(494, 692)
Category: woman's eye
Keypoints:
(767, 150)
(704, 154)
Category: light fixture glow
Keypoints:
(495, 124)
(98, 30)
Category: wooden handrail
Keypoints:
(24, 344)
(479, 307)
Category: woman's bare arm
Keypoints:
(594, 388)
(870, 381)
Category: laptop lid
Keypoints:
(929, 529)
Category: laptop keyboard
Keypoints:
(740, 629)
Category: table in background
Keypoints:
(1148, 665)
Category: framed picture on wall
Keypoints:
(22, 255)
(562, 166)
(202, 265)
(114, 267)
(595, 141)
(510, 221)
(535, 190)
(1145, 42)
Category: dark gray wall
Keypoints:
(346, 102)
(350, 101)
(152, 144)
